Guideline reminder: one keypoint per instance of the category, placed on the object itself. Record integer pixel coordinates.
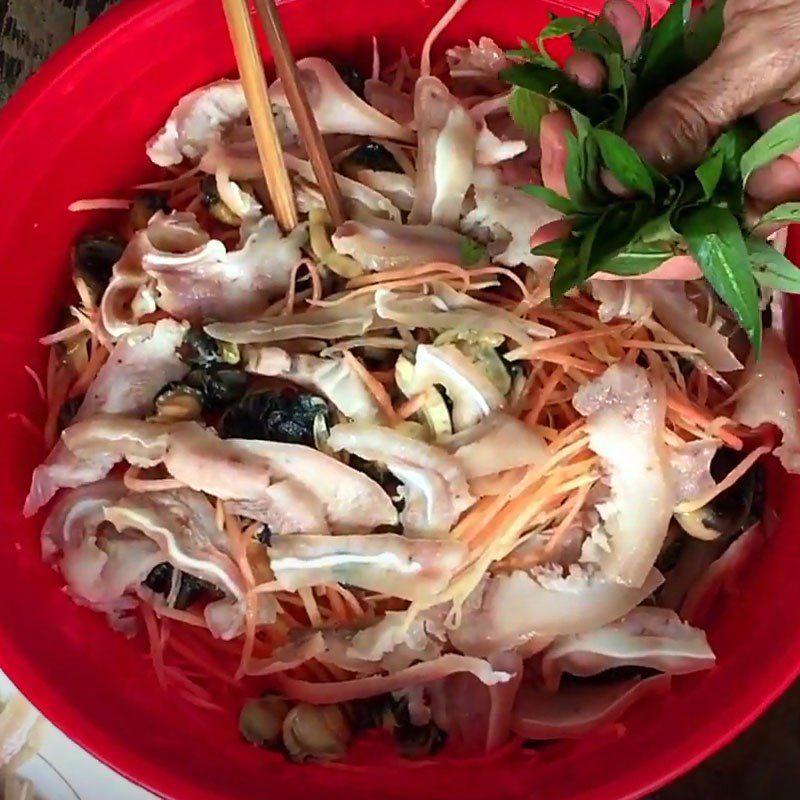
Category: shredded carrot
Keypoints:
(692, 413)
(350, 600)
(574, 509)
(336, 603)
(316, 284)
(37, 382)
(512, 276)
(375, 387)
(310, 605)
(411, 406)
(156, 646)
(541, 396)
(388, 276)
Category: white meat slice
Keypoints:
(648, 637)
(691, 468)
(336, 108)
(446, 141)
(183, 526)
(508, 610)
(771, 396)
(139, 366)
(286, 507)
(507, 217)
(680, 316)
(199, 118)
(497, 443)
(413, 569)
(434, 485)
(352, 501)
(131, 292)
(211, 283)
(625, 421)
(383, 245)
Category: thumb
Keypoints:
(756, 62)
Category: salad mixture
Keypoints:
(409, 473)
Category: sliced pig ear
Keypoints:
(497, 443)
(183, 525)
(210, 282)
(352, 501)
(509, 610)
(382, 244)
(771, 395)
(577, 710)
(476, 717)
(197, 120)
(140, 364)
(625, 414)
(77, 512)
(336, 108)
(413, 569)
(434, 484)
(648, 637)
(446, 138)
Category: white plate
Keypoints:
(61, 770)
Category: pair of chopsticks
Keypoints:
(251, 71)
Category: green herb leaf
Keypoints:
(771, 269)
(658, 229)
(471, 252)
(552, 249)
(567, 273)
(553, 199)
(719, 173)
(782, 138)
(784, 213)
(639, 259)
(715, 240)
(710, 172)
(703, 37)
(561, 26)
(527, 53)
(586, 246)
(554, 84)
(663, 50)
(600, 38)
(623, 224)
(575, 175)
(527, 109)
(624, 162)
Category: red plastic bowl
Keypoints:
(77, 130)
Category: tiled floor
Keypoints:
(762, 764)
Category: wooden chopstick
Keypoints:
(251, 71)
(304, 117)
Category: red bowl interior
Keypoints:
(78, 130)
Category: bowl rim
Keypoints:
(667, 765)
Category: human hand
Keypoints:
(755, 69)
